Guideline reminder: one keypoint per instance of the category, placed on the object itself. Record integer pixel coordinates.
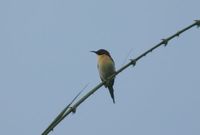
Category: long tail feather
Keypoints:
(111, 90)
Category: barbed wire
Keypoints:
(72, 109)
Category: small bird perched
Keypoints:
(106, 68)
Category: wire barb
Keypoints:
(178, 33)
(164, 41)
(73, 109)
(133, 62)
(197, 23)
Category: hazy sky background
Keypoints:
(45, 62)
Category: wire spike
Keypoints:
(164, 41)
(73, 110)
(178, 33)
(197, 23)
(133, 62)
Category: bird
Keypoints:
(106, 68)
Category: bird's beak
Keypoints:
(93, 52)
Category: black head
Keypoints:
(101, 52)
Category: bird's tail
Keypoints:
(111, 90)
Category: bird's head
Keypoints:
(101, 52)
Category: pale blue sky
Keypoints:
(45, 61)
